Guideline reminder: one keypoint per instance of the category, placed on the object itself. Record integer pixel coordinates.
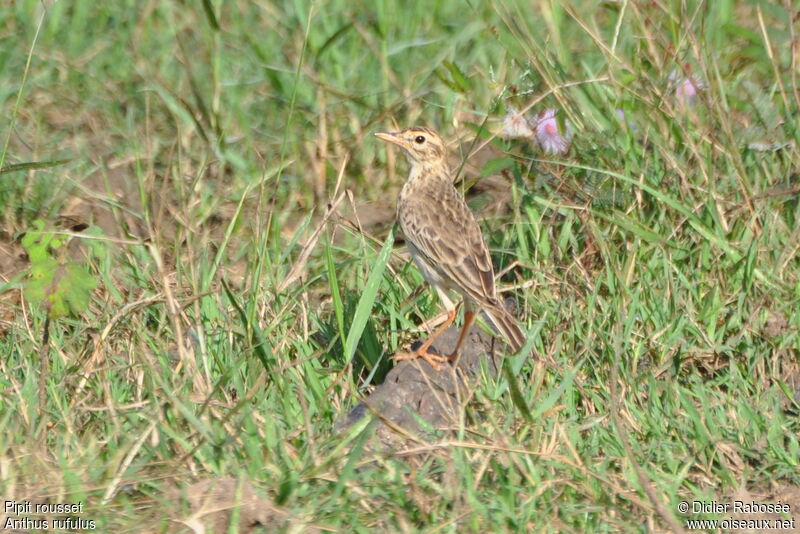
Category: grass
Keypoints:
(224, 150)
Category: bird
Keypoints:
(446, 243)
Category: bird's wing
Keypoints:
(445, 232)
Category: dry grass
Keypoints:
(243, 206)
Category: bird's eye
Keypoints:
(419, 139)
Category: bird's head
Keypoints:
(422, 145)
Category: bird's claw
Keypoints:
(432, 359)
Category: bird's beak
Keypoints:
(391, 138)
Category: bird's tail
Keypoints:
(504, 323)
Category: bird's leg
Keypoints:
(422, 351)
(469, 318)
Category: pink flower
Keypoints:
(548, 135)
(686, 89)
(515, 124)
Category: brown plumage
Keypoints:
(445, 240)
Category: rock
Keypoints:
(413, 390)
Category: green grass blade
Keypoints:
(367, 300)
(33, 165)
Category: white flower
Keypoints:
(515, 124)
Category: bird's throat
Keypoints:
(425, 172)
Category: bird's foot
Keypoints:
(433, 359)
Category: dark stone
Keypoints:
(413, 390)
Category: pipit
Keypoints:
(445, 242)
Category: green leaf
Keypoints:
(550, 401)
(208, 9)
(493, 166)
(461, 79)
(31, 165)
(260, 345)
(636, 227)
(516, 393)
(457, 81)
(367, 300)
(63, 285)
(41, 276)
(338, 34)
(336, 295)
